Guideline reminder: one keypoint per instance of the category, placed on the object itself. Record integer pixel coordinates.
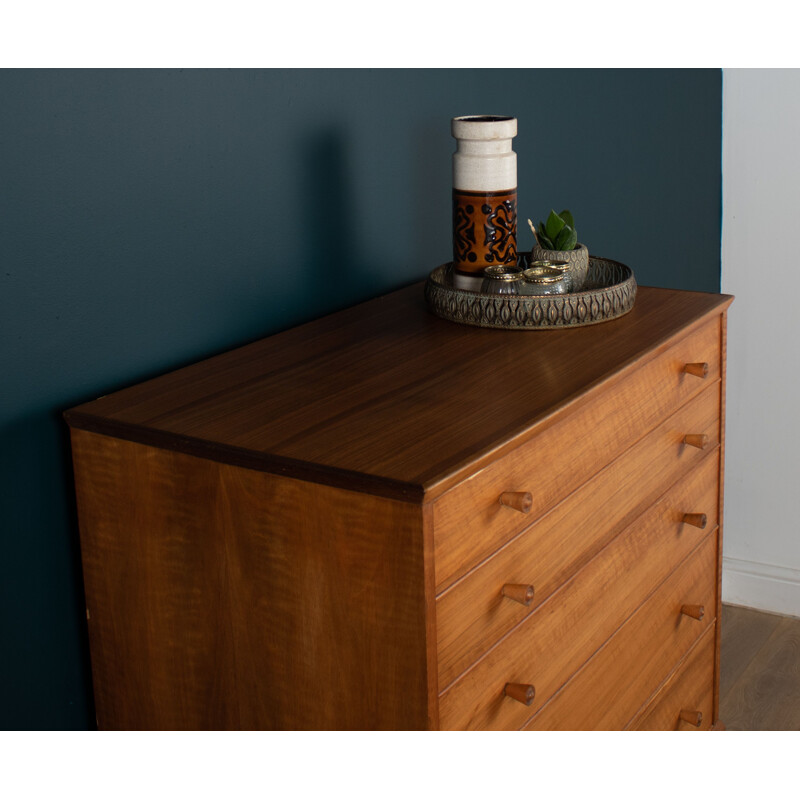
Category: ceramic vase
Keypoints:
(484, 193)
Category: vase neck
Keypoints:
(475, 147)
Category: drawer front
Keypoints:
(473, 614)
(563, 633)
(469, 521)
(614, 685)
(686, 702)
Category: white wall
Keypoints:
(761, 267)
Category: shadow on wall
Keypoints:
(431, 194)
(334, 265)
(40, 517)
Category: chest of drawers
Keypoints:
(382, 519)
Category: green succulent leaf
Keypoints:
(567, 239)
(566, 215)
(544, 239)
(553, 226)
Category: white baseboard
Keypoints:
(766, 587)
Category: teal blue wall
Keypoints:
(151, 218)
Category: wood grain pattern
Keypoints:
(566, 454)
(408, 403)
(685, 703)
(228, 598)
(472, 615)
(563, 633)
(385, 520)
(606, 694)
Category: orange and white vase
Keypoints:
(484, 193)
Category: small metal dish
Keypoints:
(541, 280)
(502, 279)
(563, 266)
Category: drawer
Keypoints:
(563, 633)
(689, 691)
(473, 613)
(614, 685)
(469, 521)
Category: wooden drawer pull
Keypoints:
(692, 717)
(696, 440)
(700, 369)
(522, 692)
(521, 592)
(698, 520)
(696, 612)
(519, 501)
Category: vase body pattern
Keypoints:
(484, 193)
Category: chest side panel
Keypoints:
(220, 597)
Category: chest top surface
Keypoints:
(384, 397)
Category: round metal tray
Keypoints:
(609, 292)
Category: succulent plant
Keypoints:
(558, 233)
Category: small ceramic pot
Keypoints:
(578, 260)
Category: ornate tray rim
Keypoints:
(525, 312)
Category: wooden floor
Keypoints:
(759, 688)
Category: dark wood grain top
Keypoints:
(384, 397)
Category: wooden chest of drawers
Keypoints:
(384, 520)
